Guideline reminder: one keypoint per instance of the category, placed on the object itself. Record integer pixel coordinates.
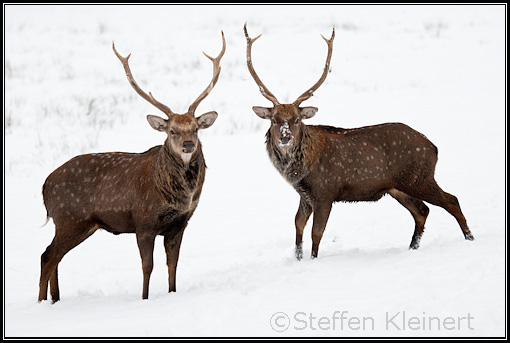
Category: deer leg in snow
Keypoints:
(320, 218)
(419, 211)
(64, 240)
(302, 215)
(172, 246)
(432, 193)
(146, 247)
(54, 290)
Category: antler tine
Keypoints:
(306, 95)
(262, 88)
(132, 82)
(216, 75)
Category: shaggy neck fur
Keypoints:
(296, 163)
(176, 180)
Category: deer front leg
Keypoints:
(320, 218)
(172, 247)
(146, 247)
(302, 215)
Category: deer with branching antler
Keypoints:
(148, 194)
(327, 164)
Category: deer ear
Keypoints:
(157, 123)
(207, 119)
(308, 112)
(263, 112)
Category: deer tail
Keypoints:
(47, 219)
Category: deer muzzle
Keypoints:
(188, 147)
(286, 137)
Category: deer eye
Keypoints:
(297, 121)
(172, 132)
(196, 129)
(273, 121)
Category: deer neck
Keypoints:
(177, 180)
(296, 163)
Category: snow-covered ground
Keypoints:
(439, 69)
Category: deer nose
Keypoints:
(188, 146)
(285, 139)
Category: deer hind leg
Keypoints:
(432, 193)
(54, 290)
(65, 239)
(418, 209)
(146, 247)
(302, 215)
(48, 265)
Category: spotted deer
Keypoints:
(149, 194)
(327, 164)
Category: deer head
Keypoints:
(286, 119)
(181, 129)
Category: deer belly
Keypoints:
(361, 185)
(348, 194)
(114, 221)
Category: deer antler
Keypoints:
(306, 95)
(216, 74)
(262, 88)
(137, 88)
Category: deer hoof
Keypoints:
(299, 252)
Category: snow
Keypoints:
(286, 132)
(439, 69)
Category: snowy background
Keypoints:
(439, 69)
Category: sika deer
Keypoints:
(326, 164)
(148, 194)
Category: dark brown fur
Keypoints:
(333, 164)
(327, 164)
(148, 194)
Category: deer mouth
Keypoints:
(286, 141)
